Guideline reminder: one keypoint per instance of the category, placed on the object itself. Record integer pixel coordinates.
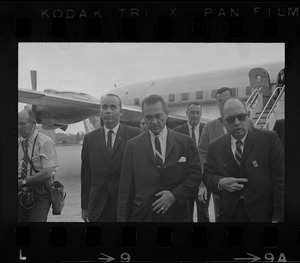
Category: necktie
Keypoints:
(25, 159)
(109, 140)
(193, 135)
(238, 152)
(158, 155)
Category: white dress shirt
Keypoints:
(163, 142)
(196, 132)
(113, 136)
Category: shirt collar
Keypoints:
(162, 133)
(196, 127)
(242, 139)
(115, 129)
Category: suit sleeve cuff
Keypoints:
(219, 185)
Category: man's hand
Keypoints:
(202, 194)
(162, 204)
(232, 184)
(84, 215)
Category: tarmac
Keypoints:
(68, 173)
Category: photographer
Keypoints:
(37, 161)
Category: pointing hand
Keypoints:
(232, 184)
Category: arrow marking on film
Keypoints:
(253, 258)
(106, 258)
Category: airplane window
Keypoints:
(171, 97)
(199, 95)
(184, 96)
(136, 101)
(213, 93)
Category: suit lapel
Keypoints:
(249, 143)
(119, 138)
(170, 144)
(148, 145)
(200, 132)
(102, 143)
(228, 152)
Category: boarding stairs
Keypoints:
(264, 116)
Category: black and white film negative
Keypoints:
(130, 113)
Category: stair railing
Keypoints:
(278, 99)
(258, 121)
(253, 97)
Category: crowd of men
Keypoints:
(155, 174)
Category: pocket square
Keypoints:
(182, 159)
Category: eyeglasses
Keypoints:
(23, 123)
(240, 117)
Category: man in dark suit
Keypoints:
(193, 128)
(102, 156)
(279, 129)
(160, 172)
(212, 130)
(246, 168)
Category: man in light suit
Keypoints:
(193, 128)
(160, 172)
(102, 156)
(246, 169)
(211, 131)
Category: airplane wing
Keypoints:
(55, 109)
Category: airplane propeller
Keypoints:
(33, 76)
(34, 108)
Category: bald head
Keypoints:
(236, 117)
(26, 122)
(27, 114)
(233, 102)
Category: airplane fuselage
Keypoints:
(179, 91)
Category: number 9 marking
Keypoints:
(269, 257)
(125, 257)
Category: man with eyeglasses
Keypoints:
(37, 162)
(246, 169)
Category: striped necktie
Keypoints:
(193, 135)
(25, 159)
(109, 140)
(238, 152)
(158, 155)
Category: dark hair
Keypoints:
(153, 99)
(114, 95)
(224, 89)
(194, 103)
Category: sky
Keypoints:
(94, 68)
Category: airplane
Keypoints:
(57, 109)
